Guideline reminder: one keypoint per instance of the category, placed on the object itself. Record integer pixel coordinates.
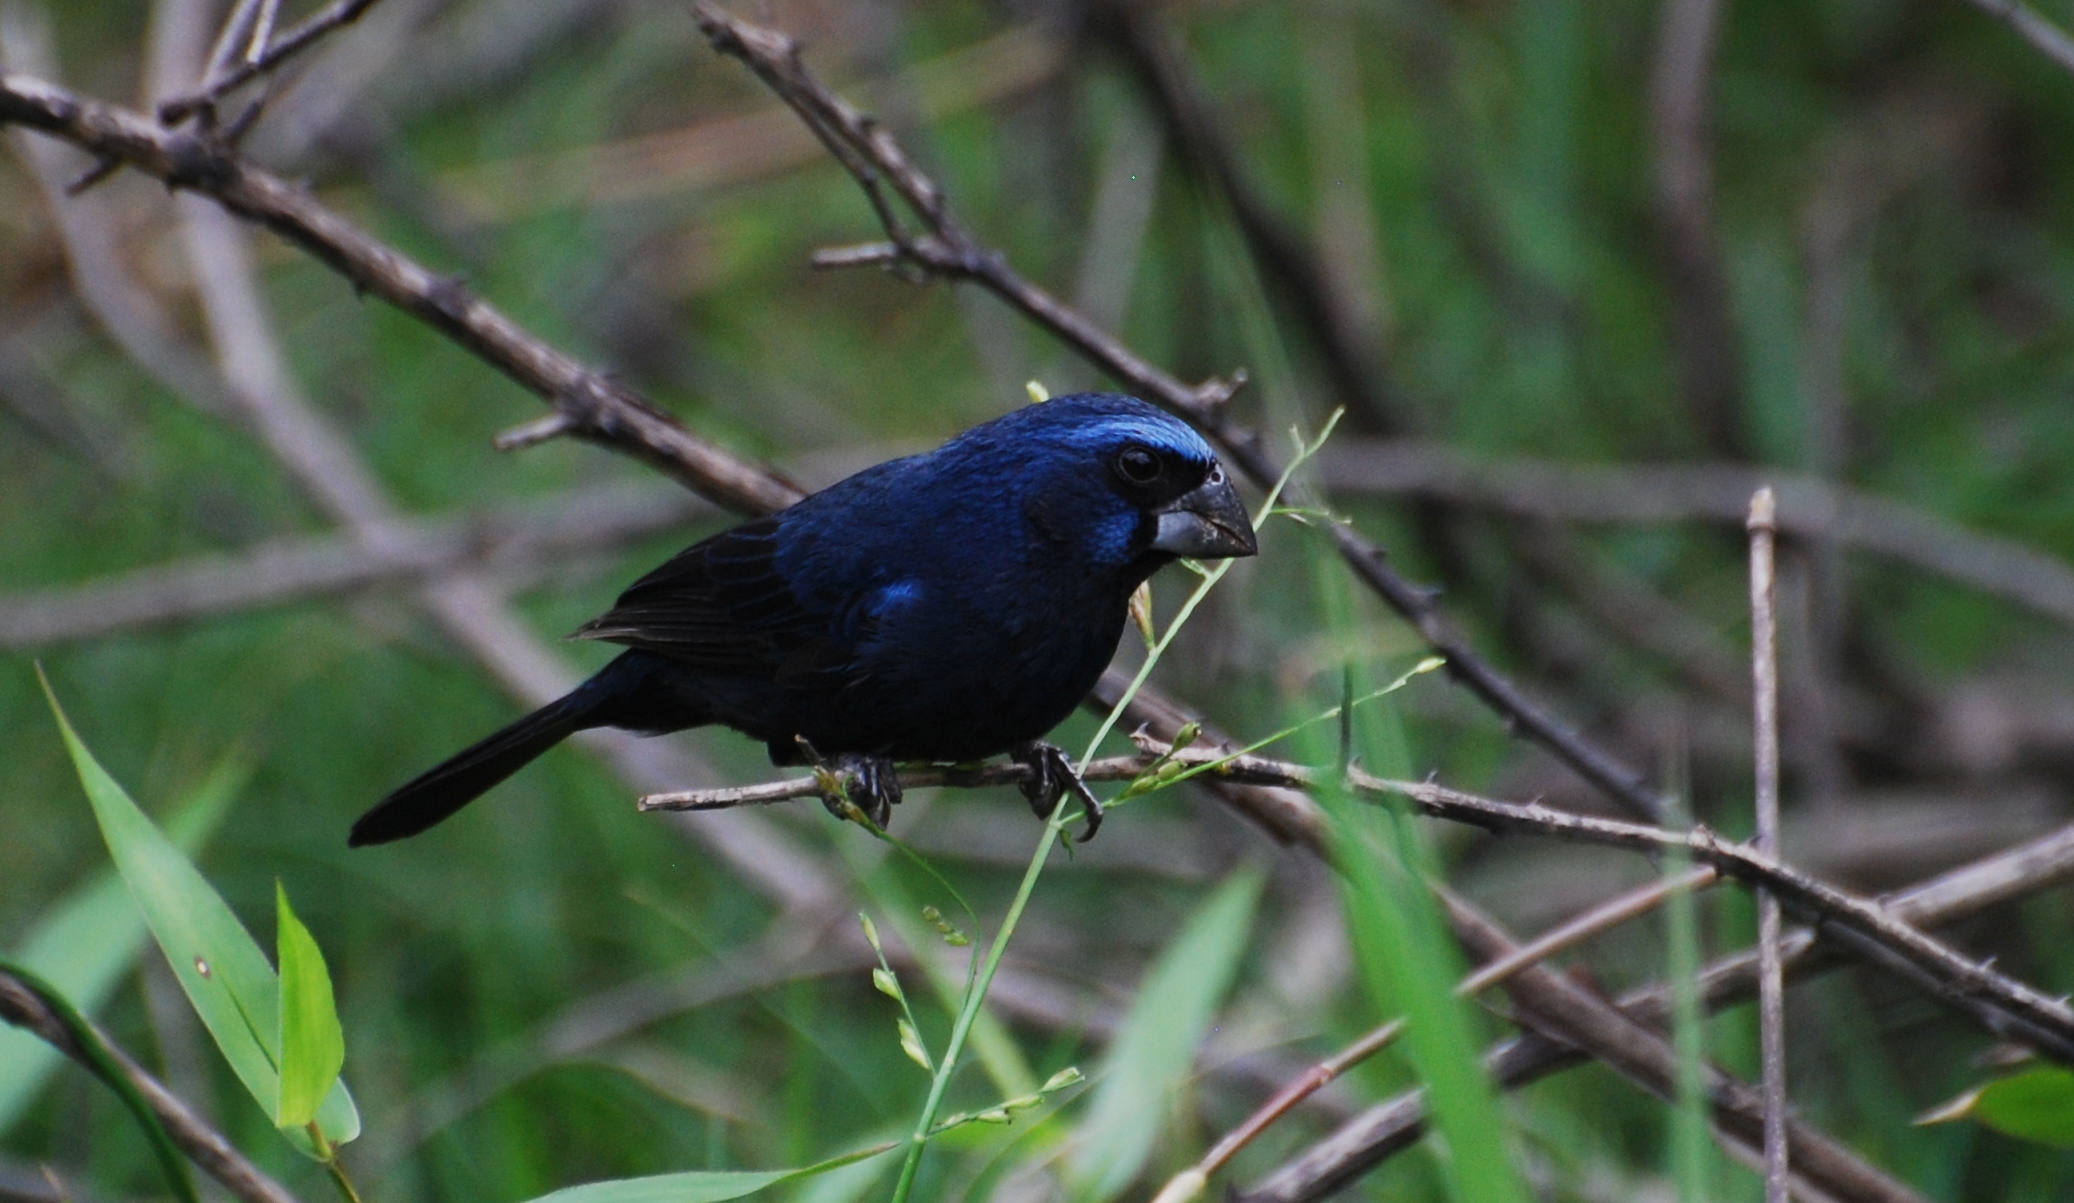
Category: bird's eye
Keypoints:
(1138, 465)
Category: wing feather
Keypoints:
(720, 604)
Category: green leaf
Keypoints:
(1405, 953)
(2036, 1105)
(313, 1048)
(1154, 1052)
(698, 1186)
(222, 970)
(85, 942)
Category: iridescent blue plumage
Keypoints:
(946, 606)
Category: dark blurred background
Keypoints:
(1580, 273)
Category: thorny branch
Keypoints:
(1388, 1127)
(2019, 1011)
(592, 408)
(943, 248)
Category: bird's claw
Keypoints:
(1051, 775)
(870, 784)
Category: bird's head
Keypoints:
(1120, 483)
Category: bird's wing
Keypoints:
(720, 604)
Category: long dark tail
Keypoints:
(608, 699)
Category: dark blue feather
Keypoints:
(946, 606)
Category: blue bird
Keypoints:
(948, 606)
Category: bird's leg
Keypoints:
(874, 786)
(1051, 775)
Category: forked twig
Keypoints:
(230, 69)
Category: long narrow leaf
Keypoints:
(1402, 945)
(698, 1186)
(313, 1048)
(1155, 1051)
(87, 940)
(222, 970)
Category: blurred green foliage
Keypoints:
(553, 989)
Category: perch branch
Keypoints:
(942, 247)
(2007, 1006)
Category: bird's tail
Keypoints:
(434, 795)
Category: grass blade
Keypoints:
(1155, 1052)
(699, 1186)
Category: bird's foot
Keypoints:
(868, 785)
(1051, 775)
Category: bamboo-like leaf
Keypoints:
(2036, 1105)
(1155, 1051)
(313, 1047)
(87, 940)
(219, 966)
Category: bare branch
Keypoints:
(942, 247)
(203, 1145)
(223, 78)
(1382, 1130)
(2003, 1004)
(2048, 39)
(1771, 981)
(299, 569)
(1680, 88)
(1559, 1007)
(599, 409)
(1808, 508)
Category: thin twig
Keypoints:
(1638, 494)
(1599, 919)
(1388, 1127)
(943, 248)
(2048, 39)
(224, 76)
(598, 408)
(1771, 987)
(2005, 1005)
(1680, 89)
(1596, 921)
(507, 542)
(203, 1145)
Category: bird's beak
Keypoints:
(1209, 523)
